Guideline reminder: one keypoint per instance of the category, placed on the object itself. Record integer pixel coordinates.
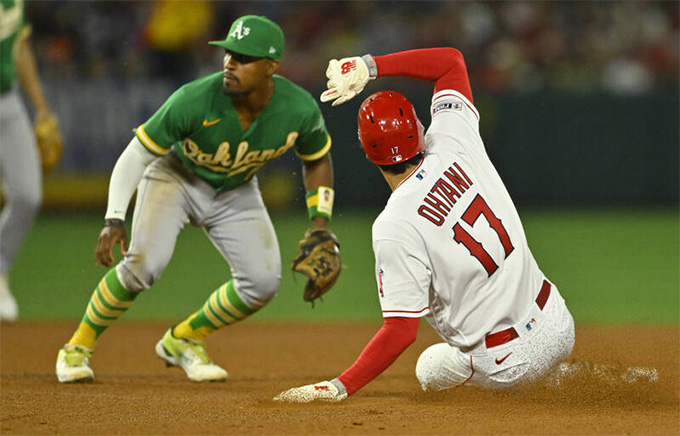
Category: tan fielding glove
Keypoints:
(50, 141)
(319, 259)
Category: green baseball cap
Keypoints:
(254, 35)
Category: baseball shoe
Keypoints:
(73, 364)
(9, 310)
(189, 355)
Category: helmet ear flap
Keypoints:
(389, 129)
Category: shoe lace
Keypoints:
(76, 357)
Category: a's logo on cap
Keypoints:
(240, 31)
(272, 50)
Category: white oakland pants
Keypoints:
(529, 350)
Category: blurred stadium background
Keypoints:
(579, 106)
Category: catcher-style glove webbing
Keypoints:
(49, 140)
(318, 258)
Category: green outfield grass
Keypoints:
(612, 266)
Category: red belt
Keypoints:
(507, 335)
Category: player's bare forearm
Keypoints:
(318, 173)
(29, 77)
(320, 222)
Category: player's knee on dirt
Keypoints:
(442, 366)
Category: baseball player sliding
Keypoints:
(194, 162)
(449, 245)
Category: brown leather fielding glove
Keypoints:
(319, 259)
(50, 142)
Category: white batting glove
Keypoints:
(347, 77)
(322, 391)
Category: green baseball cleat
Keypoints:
(191, 356)
(73, 364)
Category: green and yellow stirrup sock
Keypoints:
(108, 302)
(224, 307)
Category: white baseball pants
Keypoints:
(525, 352)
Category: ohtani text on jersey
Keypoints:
(444, 194)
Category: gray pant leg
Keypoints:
(243, 232)
(236, 221)
(21, 177)
(160, 214)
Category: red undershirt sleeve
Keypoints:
(395, 336)
(445, 66)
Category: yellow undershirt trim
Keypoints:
(319, 154)
(149, 143)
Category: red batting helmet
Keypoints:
(389, 129)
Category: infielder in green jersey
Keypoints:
(19, 158)
(195, 161)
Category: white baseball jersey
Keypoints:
(449, 244)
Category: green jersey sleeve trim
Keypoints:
(149, 143)
(319, 154)
(25, 32)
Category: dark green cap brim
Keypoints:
(244, 50)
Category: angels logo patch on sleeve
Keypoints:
(449, 105)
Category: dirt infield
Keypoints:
(135, 394)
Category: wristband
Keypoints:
(372, 67)
(114, 223)
(342, 390)
(320, 202)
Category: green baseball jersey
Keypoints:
(11, 24)
(200, 124)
